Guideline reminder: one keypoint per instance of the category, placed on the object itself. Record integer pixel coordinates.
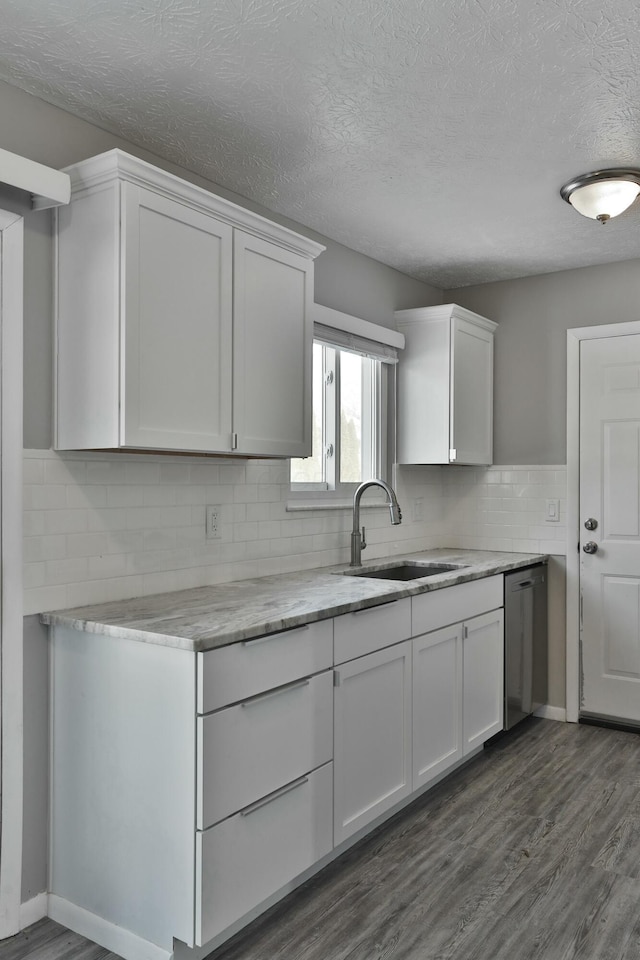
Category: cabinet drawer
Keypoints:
(243, 670)
(251, 749)
(430, 611)
(356, 634)
(243, 860)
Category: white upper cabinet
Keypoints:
(273, 293)
(183, 322)
(445, 386)
(176, 312)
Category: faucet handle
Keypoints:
(363, 542)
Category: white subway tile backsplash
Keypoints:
(83, 544)
(65, 520)
(107, 526)
(125, 496)
(91, 497)
(106, 470)
(33, 471)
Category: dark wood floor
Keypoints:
(531, 851)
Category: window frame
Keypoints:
(378, 428)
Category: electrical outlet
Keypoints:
(213, 529)
(418, 509)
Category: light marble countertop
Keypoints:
(207, 617)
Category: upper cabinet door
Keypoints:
(445, 386)
(471, 392)
(176, 315)
(272, 349)
(165, 339)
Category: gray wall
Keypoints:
(345, 280)
(534, 314)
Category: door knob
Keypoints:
(591, 524)
(590, 547)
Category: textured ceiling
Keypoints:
(433, 135)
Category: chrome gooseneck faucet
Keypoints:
(358, 542)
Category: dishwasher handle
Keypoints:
(525, 584)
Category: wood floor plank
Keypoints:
(47, 940)
(530, 852)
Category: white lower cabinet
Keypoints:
(372, 737)
(458, 677)
(437, 703)
(482, 679)
(246, 858)
(199, 794)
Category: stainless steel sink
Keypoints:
(406, 570)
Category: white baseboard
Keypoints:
(33, 910)
(551, 713)
(108, 935)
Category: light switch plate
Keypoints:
(553, 511)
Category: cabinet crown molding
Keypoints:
(117, 165)
(445, 311)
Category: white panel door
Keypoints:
(372, 737)
(437, 702)
(271, 349)
(471, 392)
(177, 325)
(482, 679)
(610, 496)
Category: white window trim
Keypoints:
(357, 327)
(359, 333)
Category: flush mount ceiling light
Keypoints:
(604, 193)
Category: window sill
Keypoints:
(295, 506)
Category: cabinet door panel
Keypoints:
(471, 392)
(272, 349)
(177, 325)
(437, 703)
(255, 747)
(372, 737)
(247, 858)
(483, 679)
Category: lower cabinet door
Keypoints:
(437, 703)
(372, 737)
(483, 678)
(246, 858)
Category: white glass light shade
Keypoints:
(604, 198)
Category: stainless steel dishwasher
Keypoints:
(525, 643)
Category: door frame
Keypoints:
(574, 339)
(11, 606)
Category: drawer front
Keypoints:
(245, 669)
(246, 858)
(251, 749)
(439, 608)
(363, 632)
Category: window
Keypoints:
(351, 399)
